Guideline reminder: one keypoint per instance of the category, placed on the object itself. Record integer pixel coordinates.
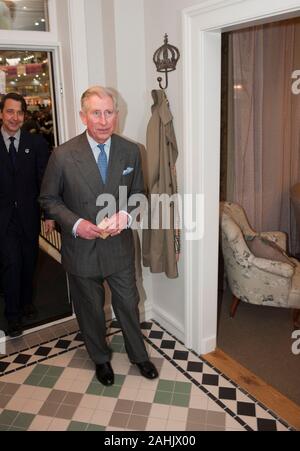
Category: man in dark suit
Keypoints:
(23, 159)
(94, 163)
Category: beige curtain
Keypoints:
(264, 125)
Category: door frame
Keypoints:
(202, 28)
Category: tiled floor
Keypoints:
(47, 382)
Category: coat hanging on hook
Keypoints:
(165, 59)
(161, 245)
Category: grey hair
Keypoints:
(101, 92)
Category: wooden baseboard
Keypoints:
(259, 389)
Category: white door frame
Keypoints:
(202, 28)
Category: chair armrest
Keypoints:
(273, 267)
(279, 238)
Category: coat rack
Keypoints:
(165, 59)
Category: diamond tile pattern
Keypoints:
(51, 385)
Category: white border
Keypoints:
(202, 27)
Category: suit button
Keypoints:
(16, 204)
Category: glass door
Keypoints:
(30, 73)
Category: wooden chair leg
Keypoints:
(296, 318)
(234, 305)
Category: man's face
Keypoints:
(12, 116)
(99, 117)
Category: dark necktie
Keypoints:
(12, 151)
(102, 162)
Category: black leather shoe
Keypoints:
(147, 369)
(30, 311)
(105, 374)
(15, 329)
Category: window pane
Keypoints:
(29, 73)
(24, 15)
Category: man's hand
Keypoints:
(88, 231)
(49, 226)
(117, 223)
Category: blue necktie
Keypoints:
(102, 162)
(12, 151)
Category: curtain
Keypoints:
(264, 125)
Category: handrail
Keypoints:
(53, 238)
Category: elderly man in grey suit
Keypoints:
(94, 163)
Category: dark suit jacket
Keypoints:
(22, 187)
(71, 186)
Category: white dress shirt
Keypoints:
(7, 141)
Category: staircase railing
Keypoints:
(53, 238)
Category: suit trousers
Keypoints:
(88, 297)
(18, 258)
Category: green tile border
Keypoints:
(83, 427)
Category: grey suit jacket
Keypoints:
(71, 186)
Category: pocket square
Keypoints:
(127, 171)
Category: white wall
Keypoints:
(164, 16)
(66, 69)
(109, 42)
(95, 48)
(131, 70)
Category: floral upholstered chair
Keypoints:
(256, 265)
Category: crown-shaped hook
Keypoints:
(165, 59)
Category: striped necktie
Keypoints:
(102, 162)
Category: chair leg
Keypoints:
(234, 305)
(296, 318)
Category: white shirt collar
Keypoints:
(94, 143)
(6, 136)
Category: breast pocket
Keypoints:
(127, 179)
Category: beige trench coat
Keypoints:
(159, 252)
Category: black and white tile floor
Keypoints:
(48, 383)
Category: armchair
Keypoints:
(257, 268)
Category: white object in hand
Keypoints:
(102, 226)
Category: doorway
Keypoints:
(259, 157)
(31, 74)
(202, 28)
